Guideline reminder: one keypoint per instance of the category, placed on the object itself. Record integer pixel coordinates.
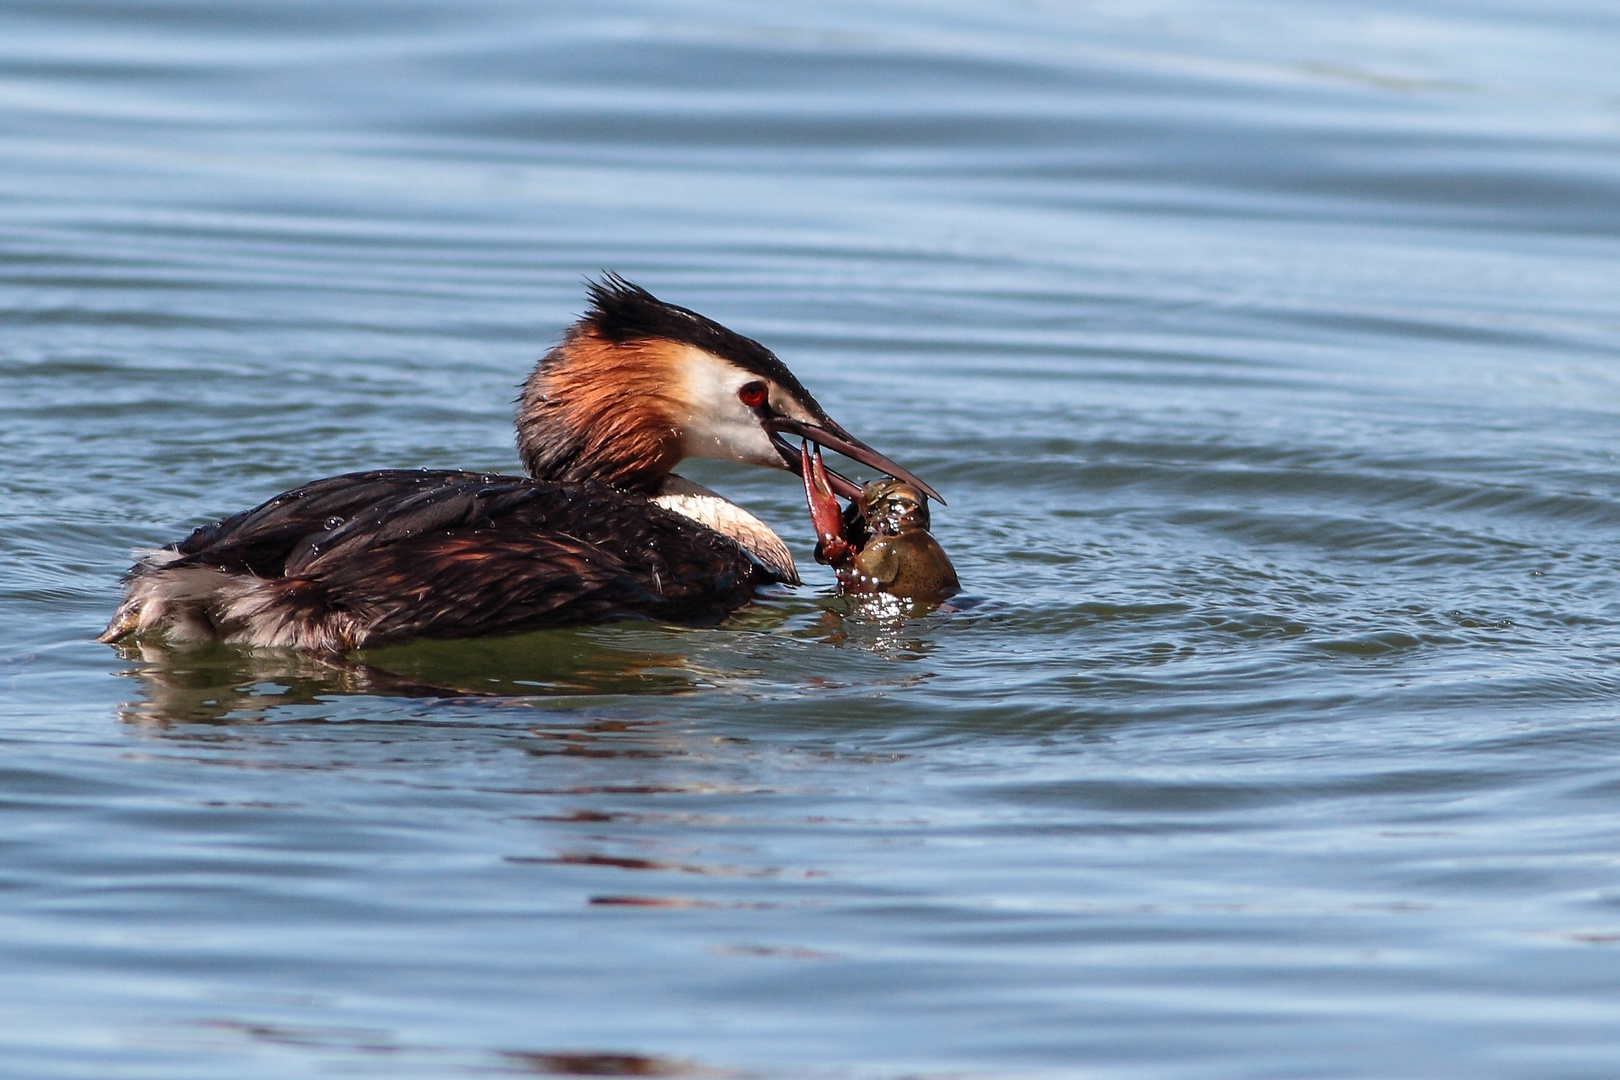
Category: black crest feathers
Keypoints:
(622, 311)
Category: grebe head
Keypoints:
(637, 385)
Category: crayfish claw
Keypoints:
(825, 514)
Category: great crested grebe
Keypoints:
(600, 529)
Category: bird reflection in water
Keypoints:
(588, 1063)
(226, 683)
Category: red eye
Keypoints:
(752, 394)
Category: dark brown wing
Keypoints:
(260, 541)
(452, 554)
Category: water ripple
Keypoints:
(1266, 357)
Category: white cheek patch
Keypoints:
(717, 424)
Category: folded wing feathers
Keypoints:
(376, 557)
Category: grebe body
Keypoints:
(599, 530)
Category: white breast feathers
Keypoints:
(724, 516)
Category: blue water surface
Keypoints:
(1268, 354)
